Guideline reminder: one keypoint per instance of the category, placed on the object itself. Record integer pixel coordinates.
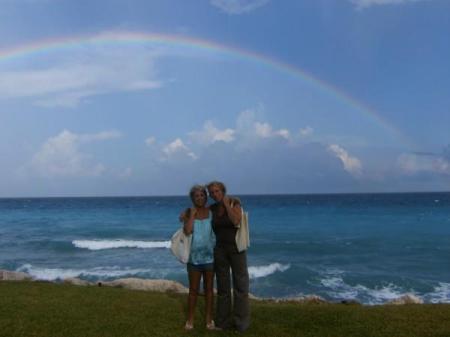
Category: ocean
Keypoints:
(368, 247)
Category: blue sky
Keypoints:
(329, 96)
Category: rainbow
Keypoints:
(61, 43)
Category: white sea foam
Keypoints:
(119, 243)
(379, 295)
(339, 288)
(51, 274)
(384, 294)
(263, 271)
(441, 294)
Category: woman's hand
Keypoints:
(183, 216)
(188, 217)
(233, 209)
(193, 213)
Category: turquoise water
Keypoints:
(370, 247)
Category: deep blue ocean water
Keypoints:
(368, 247)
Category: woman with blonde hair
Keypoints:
(197, 221)
(226, 217)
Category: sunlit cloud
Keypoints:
(265, 130)
(177, 147)
(307, 131)
(72, 79)
(290, 166)
(210, 134)
(284, 133)
(61, 155)
(249, 128)
(351, 164)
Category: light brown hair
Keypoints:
(219, 184)
(196, 188)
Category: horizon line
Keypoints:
(233, 194)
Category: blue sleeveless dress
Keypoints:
(203, 242)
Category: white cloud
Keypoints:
(177, 147)
(69, 79)
(304, 167)
(284, 133)
(305, 132)
(248, 131)
(361, 4)
(238, 6)
(351, 164)
(210, 134)
(150, 141)
(247, 134)
(246, 121)
(263, 130)
(411, 164)
(66, 99)
(61, 155)
(251, 136)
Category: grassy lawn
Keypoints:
(45, 309)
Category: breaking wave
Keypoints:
(379, 295)
(263, 271)
(119, 243)
(52, 274)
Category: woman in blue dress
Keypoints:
(197, 221)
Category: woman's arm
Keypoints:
(184, 215)
(188, 226)
(234, 211)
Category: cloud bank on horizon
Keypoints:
(252, 157)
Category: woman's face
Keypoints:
(199, 198)
(216, 193)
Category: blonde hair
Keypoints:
(219, 184)
(197, 188)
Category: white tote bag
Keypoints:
(243, 233)
(180, 245)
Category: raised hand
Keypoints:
(193, 212)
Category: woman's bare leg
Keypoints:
(194, 284)
(208, 284)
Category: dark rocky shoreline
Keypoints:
(177, 287)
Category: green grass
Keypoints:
(46, 309)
